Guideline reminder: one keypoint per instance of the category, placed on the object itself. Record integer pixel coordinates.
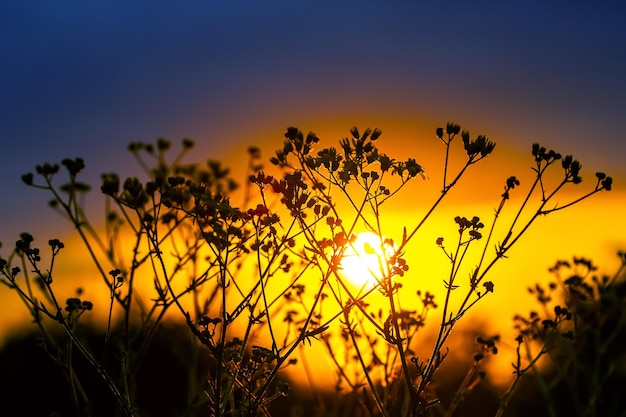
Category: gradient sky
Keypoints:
(80, 79)
(85, 79)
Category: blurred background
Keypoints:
(83, 79)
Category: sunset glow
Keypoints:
(237, 213)
(364, 261)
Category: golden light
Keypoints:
(363, 262)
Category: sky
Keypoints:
(83, 79)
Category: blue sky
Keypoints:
(85, 78)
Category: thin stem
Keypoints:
(379, 403)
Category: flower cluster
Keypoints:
(473, 225)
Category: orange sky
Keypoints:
(87, 80)
(592, 229)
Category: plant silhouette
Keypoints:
(209, 301)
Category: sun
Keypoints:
(363, 261)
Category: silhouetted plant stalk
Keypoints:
(234, 273)
(578, 334)
(74, 308)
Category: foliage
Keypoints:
(257, 283)
(580, 331)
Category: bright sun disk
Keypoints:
(363, 260)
